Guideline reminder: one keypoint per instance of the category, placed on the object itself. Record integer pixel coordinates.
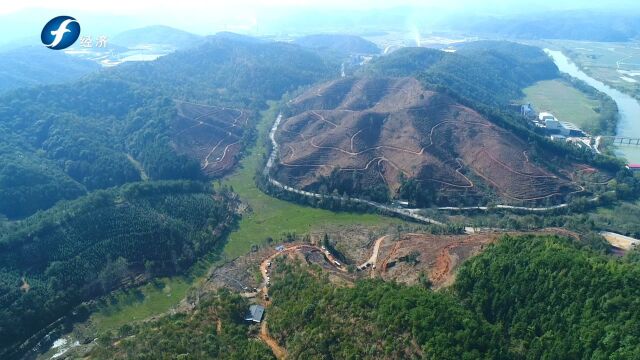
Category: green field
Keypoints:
(565, 102)
(269, 217)
(155, 298)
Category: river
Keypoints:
(628, 107)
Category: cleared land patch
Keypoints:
(210, 134)
(374, 131)
(412, 255)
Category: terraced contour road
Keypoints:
(405, 212)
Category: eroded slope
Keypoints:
(352, 135)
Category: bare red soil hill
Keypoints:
(210, 134)
(377, 130)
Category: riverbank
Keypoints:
(628, 107)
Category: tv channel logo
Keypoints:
(60, 32)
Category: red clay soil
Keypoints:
(439, 255)
(278, 351)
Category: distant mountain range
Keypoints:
(339, 43)
(37, 65)
(569, 25)
(158, 35)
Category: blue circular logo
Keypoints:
(60, 32)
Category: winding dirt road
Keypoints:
(374, 254)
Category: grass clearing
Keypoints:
(565, 102)
(140, 303)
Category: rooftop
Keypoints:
(570, 126)
(255, 313)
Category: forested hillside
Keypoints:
(492, 73)
(60, 141)
(554, 300)
(525, 297)
(77, 250)
(37, 65)
(232, 70)
(373, 320)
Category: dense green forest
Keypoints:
(554, 300)
(60, 141)
(189, 336)
(77, 250)
(232, 71)
(314, 319)
(525, 297)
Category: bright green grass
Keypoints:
(155, 298)
(565, 102)
(271, 217)
(140, 303)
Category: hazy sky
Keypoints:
(141, 7)
(24, 18)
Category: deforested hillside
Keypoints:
(385, 138)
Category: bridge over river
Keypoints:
(622, 140)
(628, 129)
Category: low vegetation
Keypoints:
(216, 330)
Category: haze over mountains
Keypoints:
(159, 35)
(37, 65)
